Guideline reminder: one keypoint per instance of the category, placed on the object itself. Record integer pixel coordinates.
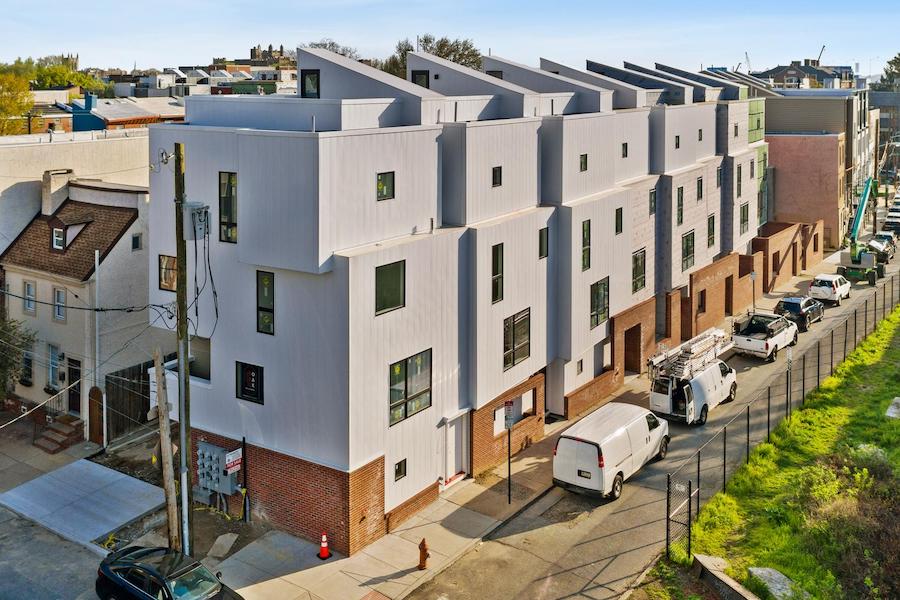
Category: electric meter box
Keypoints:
(211, 473)
(196, 220)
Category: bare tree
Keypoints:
(332, 46)
(460, 51)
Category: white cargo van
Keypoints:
(597, 454)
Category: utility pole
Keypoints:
(184, 389)
(165, 452)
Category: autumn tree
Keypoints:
(18, 338)
(15, 101)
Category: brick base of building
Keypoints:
(305, 498)
(404, 511)
(488, 450)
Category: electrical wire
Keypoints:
(126, 309)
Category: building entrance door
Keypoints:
(73, 378)
(633, 361)
(456, 451)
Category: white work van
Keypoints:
(596, 455)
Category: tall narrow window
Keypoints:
(699, 135)
(745, 217)
(752, 169)
(496, 273)
(739, 182)
(652, 201)
(699, 189)
(624, 149)
(710, 231)
(309, 83)
(390, 287)
(384, 186)
(735, 130)
(53, 366)
(638, 270)
(28, 302)
(265, 302)
(496, 176)
(168, 272)
(679, 208)
(687, 250)
(599, 302)
(59, 304)
(619, 220)
(27, 375)
(409, 382)
(718, 177)
(228, 207)
(677, 142)
(582, 163)
(586, 245)
(59, 239)
(543, 242)
(516, 338)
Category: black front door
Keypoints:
(74, 379)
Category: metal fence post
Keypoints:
(818, 362)
(769, 414)
(690, 496)
(748, 434)
(668, 511)
(698, 483)
(846, 325)
(803, 382)
(855, 319)
(832, 352)
(866, 320)
(725, 458)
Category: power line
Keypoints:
(101, 309)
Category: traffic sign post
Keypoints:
(508, 418)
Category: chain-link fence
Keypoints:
(707, 471)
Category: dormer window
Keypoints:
(59, 239)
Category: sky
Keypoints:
(691, 34)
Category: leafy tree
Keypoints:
(16, 336)
(890, 81)
(460, 51)
(15, 101)
(332, 46)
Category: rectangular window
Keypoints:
(59, 239)
(677, 142)
(624, 149)
(228, 207)
(168, 272)
(582, 163)
(59, 304)
(390, 287)
(265, 302)
(309, 83)
(638, 270)
(585, 245)
(699, 189)
(497, 74)
(516, 338)
(679, 209)
(496, 273)
(752, 169)
(718, 177)
(701, 302)
(739, 182)
(409, 381)
(735, 130)
(687, 251)
(599, 302)
(421, 78)
(53, 366)
(496, 176)
(137, 242)
(652, 201)
(543, 242)
(385, 186)
(400, 470)
(745, 217)
(249, 382)
(28, 303)
(579, 366)
(27, 375)
(699, 135)
(619, 220)
(710, 231)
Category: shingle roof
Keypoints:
(105, 225)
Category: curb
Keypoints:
(98, 550)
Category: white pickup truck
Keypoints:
(763, 335)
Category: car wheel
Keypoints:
(704, 412)
(663, 448)
(804, 327)
(773, 355)
(616, 491)
(794, 342)
(837, 301)
(732, 394)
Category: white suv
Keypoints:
(829, 288)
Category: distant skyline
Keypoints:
(692, 34)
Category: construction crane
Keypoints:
(749, 68)
(819, 60)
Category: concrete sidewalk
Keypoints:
(280, 566)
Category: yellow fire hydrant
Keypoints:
(423, 555)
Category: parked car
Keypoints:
(802, 310)
(691, 399)
(830, 288)
(596, 455)
(883, 251)
(888, 237)
(158, 574)
(891, 224)
(762, 335)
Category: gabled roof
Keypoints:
(103, 227)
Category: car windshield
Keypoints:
(791, 306)
(821, 283)
(196, 584)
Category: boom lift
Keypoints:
(858, 263)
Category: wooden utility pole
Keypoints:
(184, 389)
(165, 453)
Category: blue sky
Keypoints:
(690, 34)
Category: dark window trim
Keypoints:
(620, 220)
(419, 72)
(496, 275)
(406, 396)
(585, 244)
(652, 202)
(516, 347)
(397, 464)
(318, 74)
(583, 163)
(262, 309)
(600, 313)
(378, 196)
(687, 261)
(402, 301)
(639, 282)
(223, 224)
(497, 176)
(543, 239)
(710, 230)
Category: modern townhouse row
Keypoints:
(389, 262)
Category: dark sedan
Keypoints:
(802, 310)
(158, 574)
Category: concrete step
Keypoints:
(47, 445)
(69, 428)
(54, 436)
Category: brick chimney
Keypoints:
(54, 189)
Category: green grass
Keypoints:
(821, 502)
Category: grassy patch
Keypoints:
(821, 502)
(667, 582)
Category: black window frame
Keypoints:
(620, 220)
(582, 163)
(735, 130)
(699, 189)
(137, 242)
(752, 169)
(399, 469)
(172, 269)
(687, 259)
(677, 142)
(239, 387)
(679, 205)
(599, 310)
(402, 366)
(262, 310)
(304, 93)
(380, 184)
(496, 273)
(652, 202)
(638, 276)
(419, 73)
(512, 347)
(745, 222)
(718, 177)
(497, 176)
(543, 242)
(624, 149)
(387, 309)
(700, 134)
(740, 186)
(228, 228)
(585, 244)
(701, 302)
(711, 230)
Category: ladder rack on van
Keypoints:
(690, 357)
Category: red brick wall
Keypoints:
(791, 242)
(592, 394)
(305, 498)
(404, 511)
(488, 450)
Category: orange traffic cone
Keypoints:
(324, 552)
